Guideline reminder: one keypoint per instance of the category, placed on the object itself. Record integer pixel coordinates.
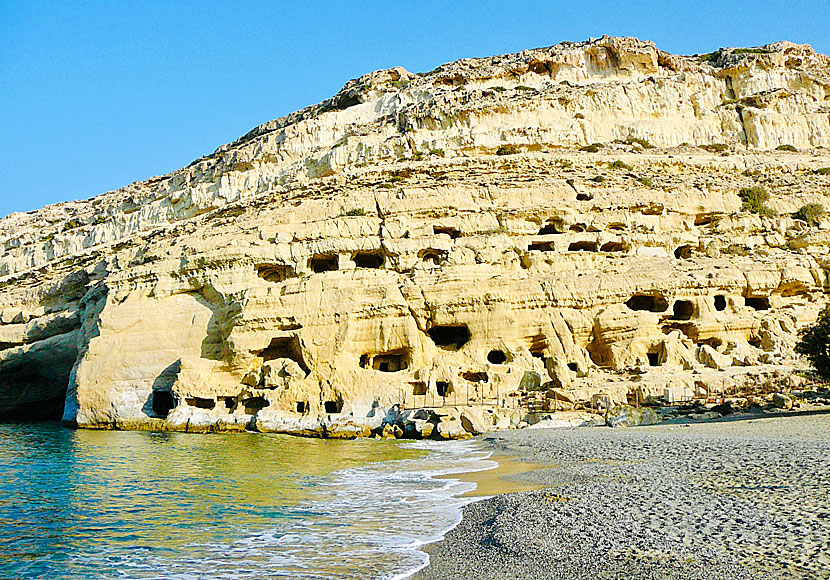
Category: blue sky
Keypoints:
(96, 95)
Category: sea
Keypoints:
(141, 505)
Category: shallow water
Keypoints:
(109, 504)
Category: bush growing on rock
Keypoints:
(815, 344)
(785, 148)
(715, 147)
(812, 213)
(754, 200)
(507, 150)
(619, 165)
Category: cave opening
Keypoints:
(230, 403)
(553, 226)
(285, 347)
(496, 357)
(443, 388)
(302, 407)
(446, 230)
(433, 255)
(419, 388)
(200, 402)
(612, 247)
(573, 366)
(333, 407)
(683, 310)
(582, 246)
(450, 337)
(653, 359)
(542, 247)
(255, 404)
(683, 252)
(163, 402)
(391, 362)
(476, 377)
(324, 263)
(757, 302)
(647, 302)
(720, 302)
(275, 272)
(373, 260)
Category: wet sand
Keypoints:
(745, 499)
(501, 479)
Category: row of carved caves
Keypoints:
(684, 309)
(163, 402)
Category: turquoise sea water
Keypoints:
(109, 504)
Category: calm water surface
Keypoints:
(110, 504)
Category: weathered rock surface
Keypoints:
(440, 240)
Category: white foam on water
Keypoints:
(366, 522)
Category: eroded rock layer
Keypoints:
(443, 240)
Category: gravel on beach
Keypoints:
(744, 499)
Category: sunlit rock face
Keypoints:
(562, 218)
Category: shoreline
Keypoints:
(744, 498)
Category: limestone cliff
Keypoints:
(563, 217)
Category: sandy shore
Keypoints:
(743, 499)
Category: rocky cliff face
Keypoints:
(442, 239)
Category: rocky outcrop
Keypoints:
(443, 240)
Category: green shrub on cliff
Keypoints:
(507, 150)
(754, 200)
(815, 344)
(812, 213)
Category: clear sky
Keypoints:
(96, 95)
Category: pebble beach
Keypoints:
(734, 499)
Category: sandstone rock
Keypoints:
(782, 401)
(331, 268)
(713, 359)
(452, 429)
(628, 416)
(392, 431)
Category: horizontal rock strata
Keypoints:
(560, 225)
